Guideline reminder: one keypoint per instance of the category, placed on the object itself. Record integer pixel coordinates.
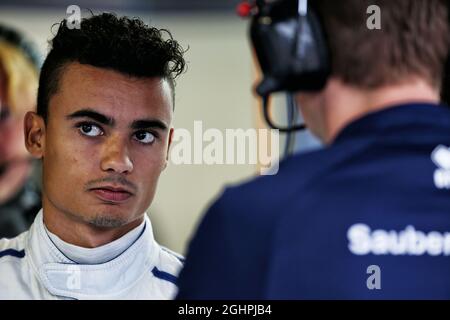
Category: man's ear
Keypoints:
(168, 146)
(34, 127)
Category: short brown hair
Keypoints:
(413, 40)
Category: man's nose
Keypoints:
(115, 156)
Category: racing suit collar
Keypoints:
(100, 254)
(113, 279)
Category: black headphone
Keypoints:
(291, 49)
(19, 41)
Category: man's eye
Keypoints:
(90, 130)
(144, 137)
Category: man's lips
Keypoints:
(111, 194)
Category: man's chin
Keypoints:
(108, 216)
(107, 221)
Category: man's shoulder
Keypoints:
(170, 259)
(294, 175)
(167, 265)
(14, 247)
(12, 257)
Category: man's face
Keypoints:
(105, 144)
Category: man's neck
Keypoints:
(344, 104)
(80, 233)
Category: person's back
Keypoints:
(367, 216)
(382, 207)
(369, 199)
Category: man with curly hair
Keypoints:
(103, 131)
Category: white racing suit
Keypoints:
(32, 267)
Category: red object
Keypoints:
(244, 9)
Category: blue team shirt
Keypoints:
(365, 218)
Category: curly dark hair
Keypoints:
(122, 44)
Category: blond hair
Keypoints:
(21, 78)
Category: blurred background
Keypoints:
(216, 89)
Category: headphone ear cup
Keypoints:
(310, 62)
(292, 50)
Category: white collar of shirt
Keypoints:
(100, 254)
(119, 266)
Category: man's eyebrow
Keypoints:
(148, 123)
(89, 113)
